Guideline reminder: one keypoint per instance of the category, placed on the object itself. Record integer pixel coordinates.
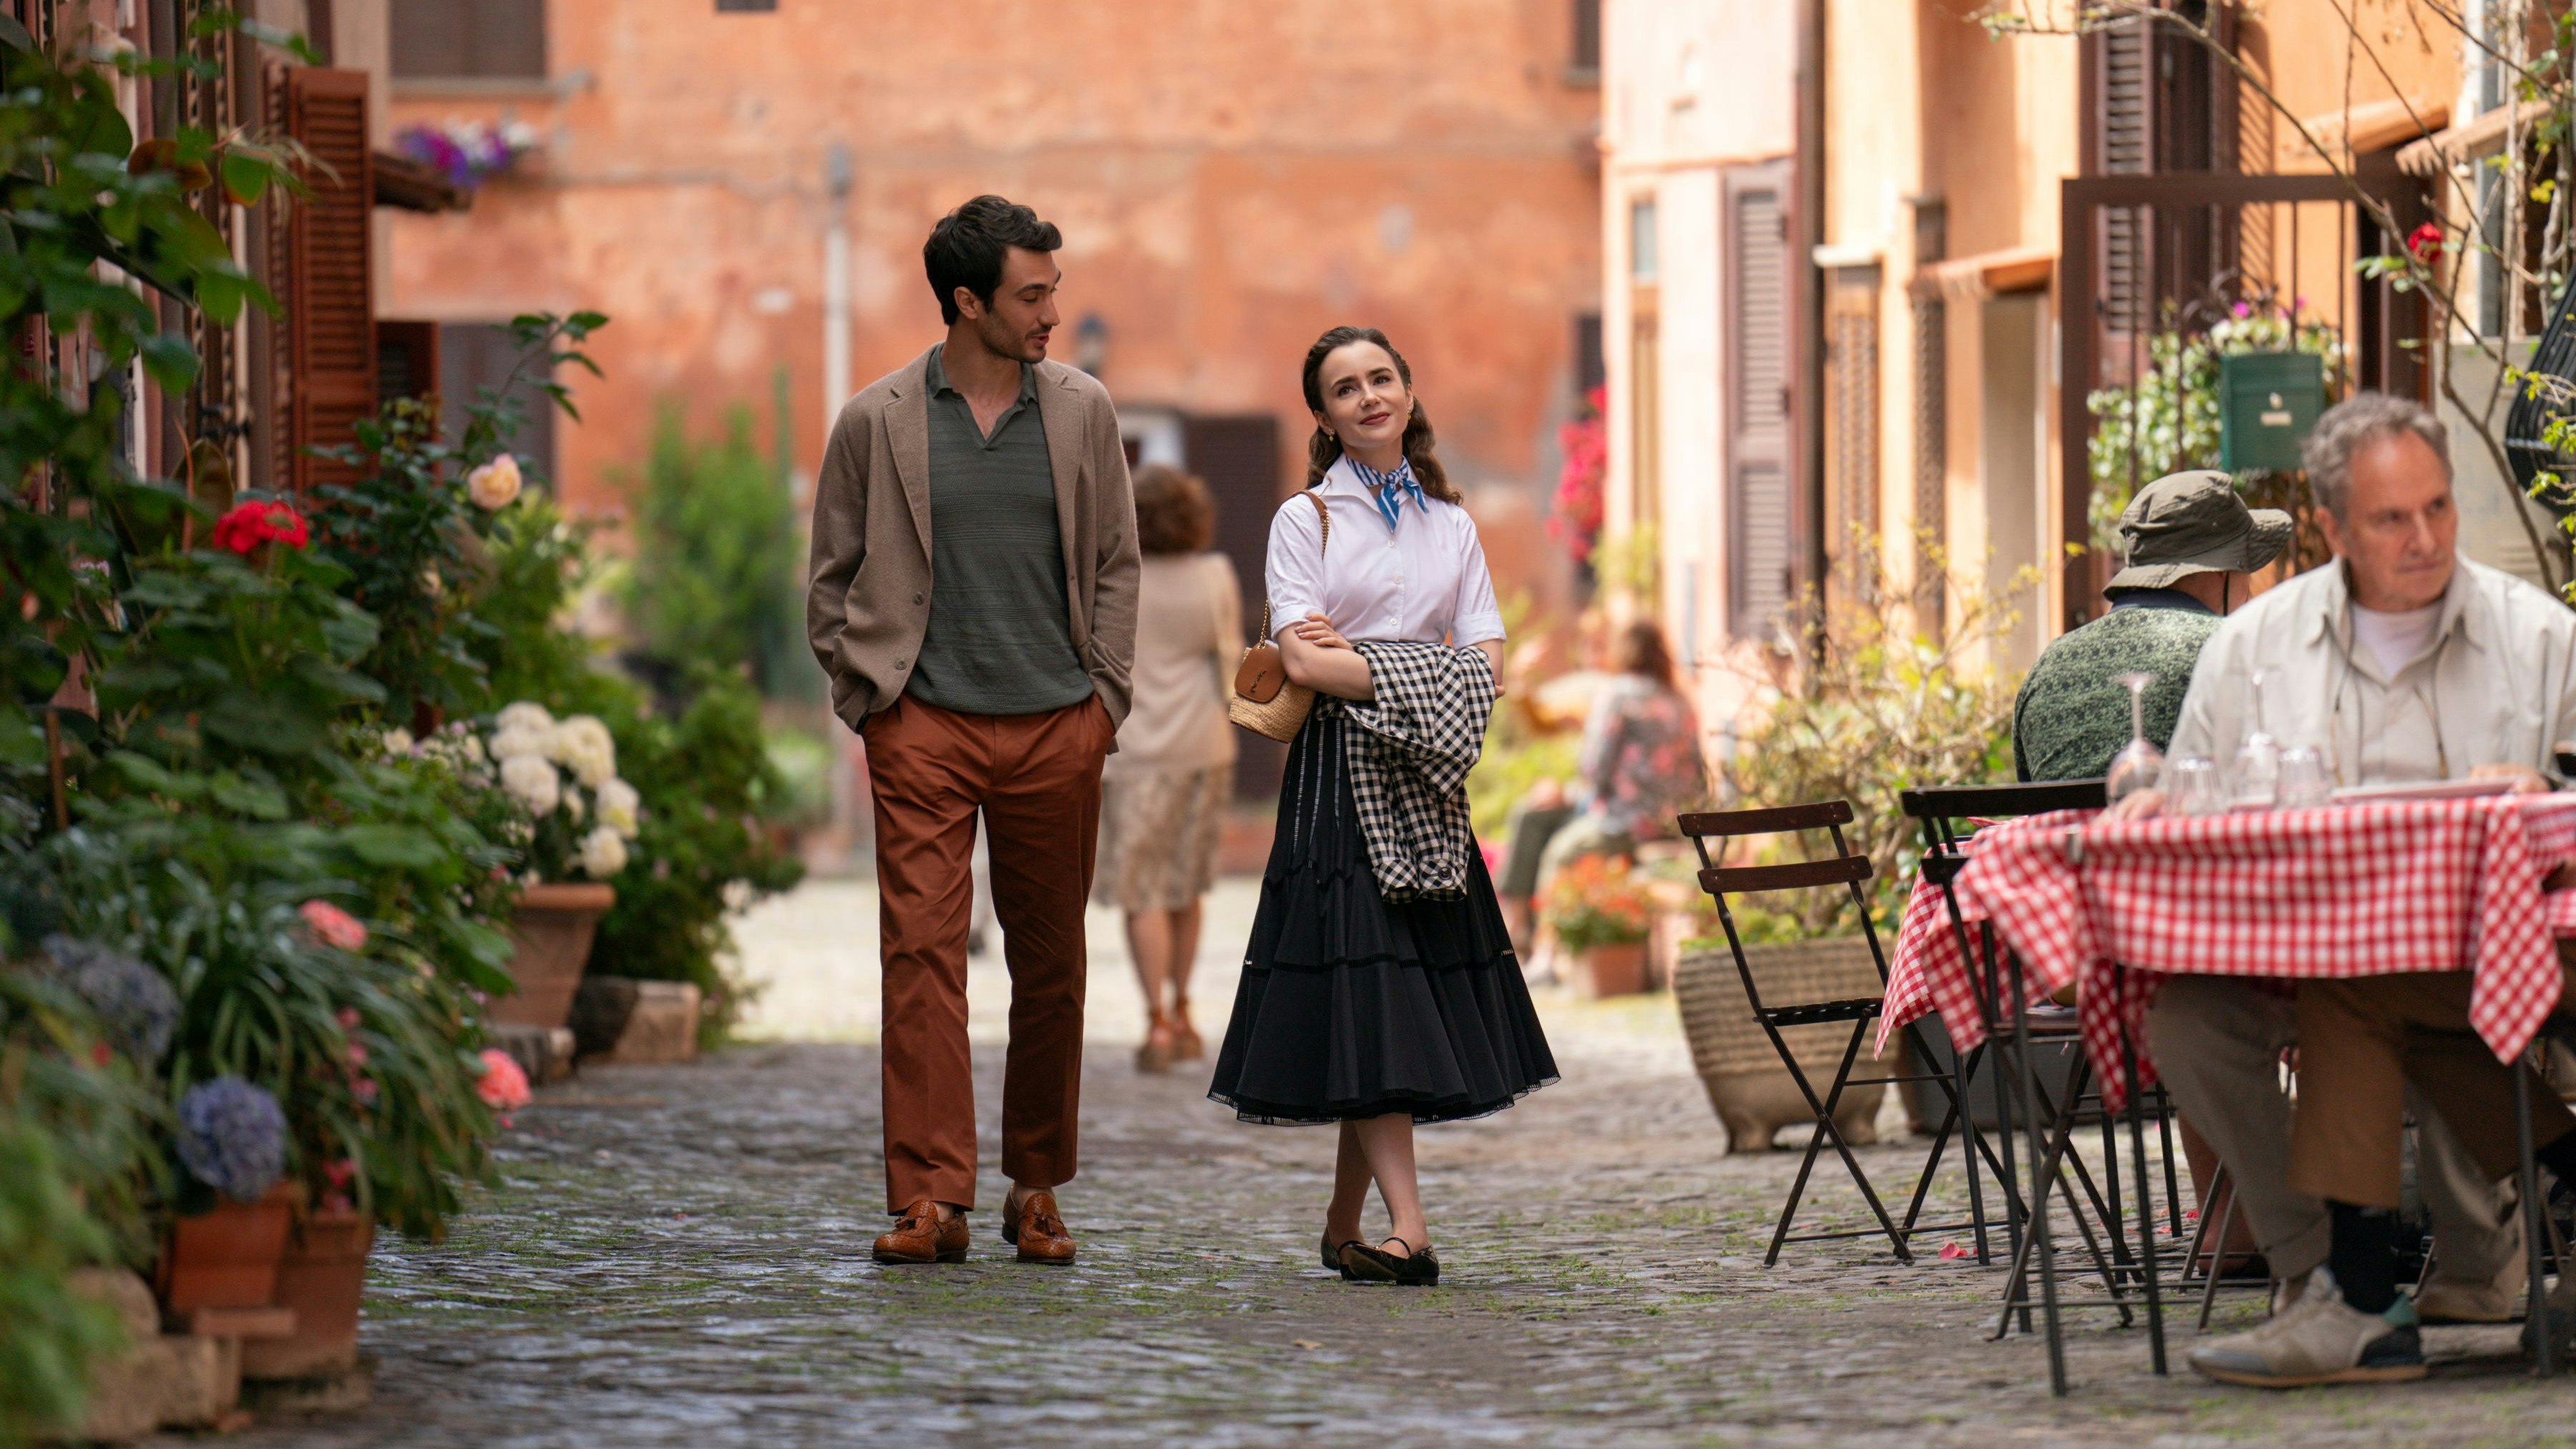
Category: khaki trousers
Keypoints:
(1035, 779)
(2217, 1042)
(2361, 1042)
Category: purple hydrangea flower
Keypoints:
(232, 1137)
(134, 1003)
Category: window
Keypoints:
(746, 7)
(1584, 59)
(1589, 369)
(1641, 239)
(1762, 520)
(470, 39)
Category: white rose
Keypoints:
(532, 781)
(523, 714)
(620, 808)
(495, 485)
(603, 854)
(585, 746)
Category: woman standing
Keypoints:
(1353, 1009)
(1164, 793)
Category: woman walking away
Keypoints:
(1379, 988)
(1164, 792)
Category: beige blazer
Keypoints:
(869, 600)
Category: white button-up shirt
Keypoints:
(2495, 685)
(1422, 581)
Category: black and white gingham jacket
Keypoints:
(1409, 760)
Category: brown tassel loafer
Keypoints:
(1035, 1229)
(922, 1236)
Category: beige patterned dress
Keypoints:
(1164, 793)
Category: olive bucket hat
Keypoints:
(2190, 523)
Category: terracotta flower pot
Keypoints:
(552, 928)
(226, 1258)
(1613, 970)
(321, 1277)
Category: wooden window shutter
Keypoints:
(1761, 498)
(321, 267)
(1851, 403)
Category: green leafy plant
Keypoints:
(706, 779)
(1883, 708)
(714, 579)
(2169, 420)
(411, 533)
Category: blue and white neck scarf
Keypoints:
(1391, 488)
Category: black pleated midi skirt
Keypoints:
(1351, 1007)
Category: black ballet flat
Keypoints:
(1419, 1268)
(1333, 1253)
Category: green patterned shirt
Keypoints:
(2072, 714)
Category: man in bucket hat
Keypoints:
(2189, 540)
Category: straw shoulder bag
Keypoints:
(1263, 700)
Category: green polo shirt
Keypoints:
(1000, 639)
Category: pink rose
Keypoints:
(333, 926)
(503, 1087)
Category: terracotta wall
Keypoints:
(1231, 179)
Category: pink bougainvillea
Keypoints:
(333, 926)
(1575, 521)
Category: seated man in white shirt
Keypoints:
(2400, 661)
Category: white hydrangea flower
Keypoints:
(523, 714)
(603, 853)
(584, 745)
(398, 742)
(620, 808)
(522, 741)
(572, 805)
(532, 781)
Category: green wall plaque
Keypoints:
(2267, 401)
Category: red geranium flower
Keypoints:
(2425, 242)
(248, 526)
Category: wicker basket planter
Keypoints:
(1754, 1095)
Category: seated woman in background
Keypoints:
(1639, 766)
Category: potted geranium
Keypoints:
(1600, 914)
(578, 819)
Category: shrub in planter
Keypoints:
(1599, 909)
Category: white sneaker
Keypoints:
(2320, 1340)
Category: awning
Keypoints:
(409, 185)
(2370, 126)
(1985, 274)
(2437, 153)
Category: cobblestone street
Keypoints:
(678, 1256)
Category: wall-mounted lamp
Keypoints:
(1091, 343)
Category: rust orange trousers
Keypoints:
(1036, 781)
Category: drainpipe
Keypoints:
(836, 391)
(1807, 405)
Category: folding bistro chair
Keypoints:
(1848, 870)
(2050, 1120)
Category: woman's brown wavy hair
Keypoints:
(1323, 450)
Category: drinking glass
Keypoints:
(2139, 765)
(2303, 779)
(2257, 780)
(2193, 789)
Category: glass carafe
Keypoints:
(2256, 783)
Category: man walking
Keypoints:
(974, 602)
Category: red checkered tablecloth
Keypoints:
(2356, 890)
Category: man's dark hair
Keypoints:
(967, 247)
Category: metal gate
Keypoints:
(2165, 274)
